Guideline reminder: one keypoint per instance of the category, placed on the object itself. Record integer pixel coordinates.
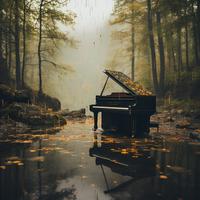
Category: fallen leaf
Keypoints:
(163, 177)
(37, 158)
(2, 167)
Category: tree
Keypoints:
(50, 15)
(195, 35)
(152, 46)
(132, 13)
(133, 46)
(171, 27)
(1, 32)
(31, 20)
(24, 40)
(17, 47)
(198, 23)
(161, 53)
(39, 45)
(126, 12)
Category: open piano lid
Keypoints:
(126, 83)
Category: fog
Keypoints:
(95, 51)
(91, 56)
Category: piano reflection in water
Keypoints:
(124, 157)
(125, 112)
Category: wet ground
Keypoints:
(79, 164)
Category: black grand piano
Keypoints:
(127, 112)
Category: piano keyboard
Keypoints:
(110, 107)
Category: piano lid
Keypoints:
(126, 83)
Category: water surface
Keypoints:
(79, 164)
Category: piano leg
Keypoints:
(141, 123)
(132, 125)
(95, 121)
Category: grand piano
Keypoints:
(127, 113)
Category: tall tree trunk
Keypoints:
(195, 44)
(161, 53)
(1, 38)
(186, 48)
(198, 26)
(170, 49)
(173, 58)
(6, 43)
(152, 47)
(169, 53)
(179, 52)
(133, 48)
(24, 41)
(10, 42)
(39, 47)
(195, 36)
(6, 49)
(169, 58)
(1, 45)
(17, 48)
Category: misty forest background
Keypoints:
(157, 40)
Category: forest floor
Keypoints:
(176, 121)
(18, 116)
(21, 119)
(179, 119)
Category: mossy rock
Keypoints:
(9, 95)
(34, 115)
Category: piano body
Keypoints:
(127, 113)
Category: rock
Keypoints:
(46, 101)
(75, 113)
(64, 112)
(34, 115)
(46, 131)
(169, 119)
(180, 111)
(9, 95)
(6, 93)
(22, 96)
(183, 124)
(173, 111)
(165, 111)
(9, 127)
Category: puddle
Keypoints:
(78, 164)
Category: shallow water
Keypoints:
(79, 164)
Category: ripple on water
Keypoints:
(77, 163)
